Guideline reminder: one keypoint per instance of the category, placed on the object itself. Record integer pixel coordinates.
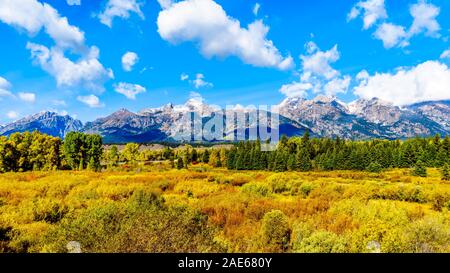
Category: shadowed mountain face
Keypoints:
(46, 122)
(438, 112)
(166, 123)
(322, 116)
(363, 119)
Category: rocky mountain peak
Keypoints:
(324, 116)
(47, 122)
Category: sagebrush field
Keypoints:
(155, 208)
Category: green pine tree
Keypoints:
(205, 156)
(231, 159)
(445, 172)
(420, 169)
(180, 163)
(291, 163)
(281, 159)
(303, 160)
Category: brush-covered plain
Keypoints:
(156, 208)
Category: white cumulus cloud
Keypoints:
(318, 62)
(206, 23)
(296, 89)
(391, 35)
(317, 74)
(428, 81)
(120, 8)
(129, 59)
(91, 101)
(424, 15)
(27, 97)
(337, 85)
(87, 71)
(32, 16)
(5, 86)
(129, 90)
(200, 81)
(372, 11)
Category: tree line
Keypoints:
(78, 151)
(21, 152)
(305, 154)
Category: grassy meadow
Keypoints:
(156, 208)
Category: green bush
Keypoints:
(141, 224)
(429, 235)
(276, 232)
(374, 167)
(255, 188)
(301, 231)
(321, 242)
(306, 188)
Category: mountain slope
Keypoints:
(362, 119)
(46, 122)
(165, 124)
(322, 116)
(438, 111)
(125, 126)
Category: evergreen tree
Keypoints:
(231, 159)
(291, 163)
(262, 161)
(303, 161)
(180, 163)
(205, 156)
(420, 169)
(240, 160)
(194, 156)
(445, 172)
(281, 159)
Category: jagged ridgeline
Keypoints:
(322, 116)
(35, 151)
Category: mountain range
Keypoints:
(323, 116)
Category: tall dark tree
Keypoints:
(445, 172)
(420, 169)
(231, 160)
(205, 156)
(303, 161)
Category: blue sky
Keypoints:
(231, 54)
